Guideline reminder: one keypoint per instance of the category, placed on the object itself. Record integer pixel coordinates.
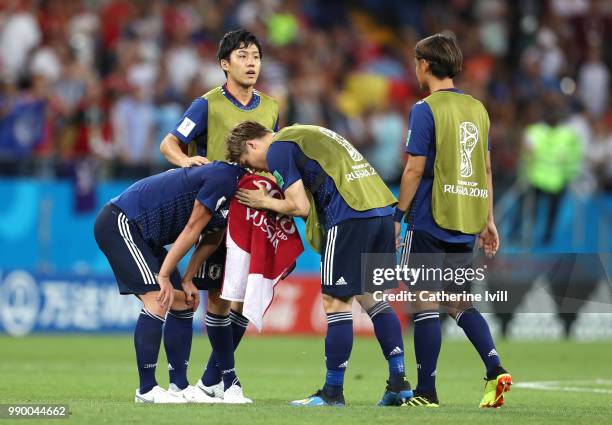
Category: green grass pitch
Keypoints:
(97, 377)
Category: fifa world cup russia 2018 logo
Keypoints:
(354, 153)
(468, 137)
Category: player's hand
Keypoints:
(166, 292)
(254, 198)
(398, 235)
(194, 160)
(192, 294)
(488, 239)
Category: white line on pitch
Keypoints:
(560, 386)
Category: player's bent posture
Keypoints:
(447, 185)
(174, 207)
(203, 129)
(314, 168)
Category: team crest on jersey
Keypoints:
(354, 153)
(214, 271)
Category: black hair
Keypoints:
(234, 40)
(442, 53)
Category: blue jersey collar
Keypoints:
(253, 103)
(453, 90)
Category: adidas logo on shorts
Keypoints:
(341, 281)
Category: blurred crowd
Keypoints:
(101, 82)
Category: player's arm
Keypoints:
(203, 251)
(200, 216)
(171, 149)
(489, 238)
(420, 136)
(411, 178)
(193, 124)
(295, 204)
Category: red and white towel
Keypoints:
(261, 247)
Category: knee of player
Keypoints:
(367, 300)
(179, 302)
(458, 309)
(333, 304)
(218, 305)
(237, 306)
(151, 304)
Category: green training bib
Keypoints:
(460, 196)
(223, 116)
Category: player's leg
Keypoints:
(219, 328)
(498, 380)
(127, 254)
(387, 327)
(147, 342)
(239, 323)
(178, 333)
(338, 344)
(211, 381)
(420, 249)
(427, 334)
(210, 277)
(338, 347)
(477, 330)
(388, 331)
(338, 287)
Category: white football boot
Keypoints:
(234, 395)
(215, 391)
(158, 395)
(192, 394)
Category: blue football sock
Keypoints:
(388, 331)
(239, 326)
(178, 333)
(477, 330)
(147, 340)
(212, 373)
(220, 335)
(338, 346)
(427, 342)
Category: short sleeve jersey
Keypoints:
(193, 125)
(161, 205)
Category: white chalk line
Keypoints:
(566, 386)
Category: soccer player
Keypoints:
(203, 129)
(447, 185)
(323, 177)
(174, 207)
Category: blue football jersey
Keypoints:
(161, 205)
